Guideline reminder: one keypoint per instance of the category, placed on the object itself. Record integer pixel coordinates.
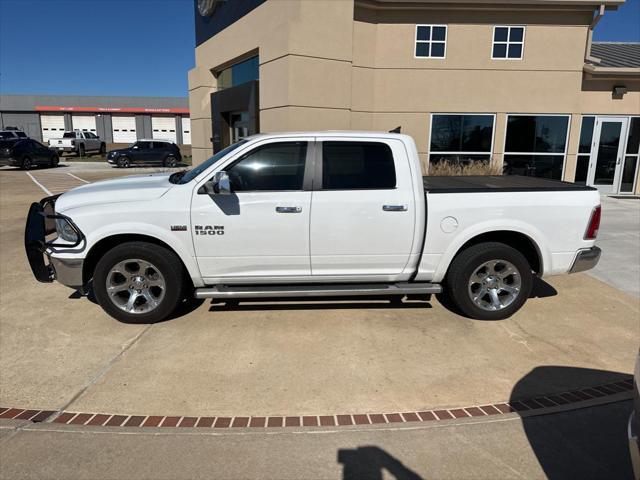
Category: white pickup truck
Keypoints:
(311, 215)
(79, 142)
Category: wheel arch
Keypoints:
(107, 243)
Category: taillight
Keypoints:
(594, 224)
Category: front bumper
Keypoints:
(45, 267)
(586, 259)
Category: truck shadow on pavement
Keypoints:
(585, 443)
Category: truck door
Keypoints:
(262, 228)
(363, 210)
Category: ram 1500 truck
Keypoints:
(78, 142)
(312, 215)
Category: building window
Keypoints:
(461, 139)
(431, 41)
(240, 73)
(536, 145)
(508, 43)
(631, 158)
(584, 150)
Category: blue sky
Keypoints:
(133, 47)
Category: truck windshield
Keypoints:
(69, 135)
(187, 176)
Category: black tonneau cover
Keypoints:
(497, 183)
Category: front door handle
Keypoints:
(288, 209)
(395, 208)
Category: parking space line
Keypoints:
(39, 184)
(72, 175)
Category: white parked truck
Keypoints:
(79, 142)
(311, 215)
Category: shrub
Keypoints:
(446, 168)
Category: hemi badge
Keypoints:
(178, 228)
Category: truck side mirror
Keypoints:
(218, 185)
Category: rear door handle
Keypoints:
(395, 208)
(288, 209)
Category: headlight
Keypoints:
(64, 231)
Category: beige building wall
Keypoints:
(340, 64)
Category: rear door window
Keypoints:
(357, 166)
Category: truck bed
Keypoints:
(497, 183)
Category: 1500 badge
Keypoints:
(209, 230)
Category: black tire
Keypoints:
(26, 163)
(170, 161)
(81, 150)
(166, 262)
(103, 149)
(467, 263)
(55, 160)
(123, 162)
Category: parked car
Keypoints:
(26, 153)
(633, 428)
(12, 133)
(314, 214)
(78, 142)
(146, 152)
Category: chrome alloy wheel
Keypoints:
(494, 285)
(135, 286)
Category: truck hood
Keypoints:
(126, 189)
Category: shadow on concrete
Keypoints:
(542, 289)
(369, 463)
(322, 303)
(588, 443)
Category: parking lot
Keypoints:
(340, 361)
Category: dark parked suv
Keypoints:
(146, 152)
(26, 154)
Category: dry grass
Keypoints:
(449, 169)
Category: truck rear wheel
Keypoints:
(489, 281)
(139, 282)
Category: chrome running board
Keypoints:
(342, 290)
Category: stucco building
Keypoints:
(519, 84)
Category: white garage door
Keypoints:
(186, 130)
(52, 126)
(164, 128)
(124, 129)
(86, 123)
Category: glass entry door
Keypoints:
(606, 154)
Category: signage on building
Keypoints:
(58, 108)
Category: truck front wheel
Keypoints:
(489, 281)
(139, 282)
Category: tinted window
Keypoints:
(143, 145)
(461, 133)
(6, 135)
(69, 135)
(277, 166)
(160, 145)
(536, 134)
(586, 134)
(21, 134)
(633, 145)
(357, 165)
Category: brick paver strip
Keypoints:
(222, 422)
(344, 420)
(170, 421)
(361, 419)
(529, 404)
(292, 422)
(42, 416)
(206, 422)
(27, 415)
(240, 422)
(80, 419)
(258, 422)
(188, 422)
(327, 421)
(153, 421)
(116, 421)
(275, 422)
(309, 421)
(411, 417)
(427, 416)
(134, 421)
(377, 418)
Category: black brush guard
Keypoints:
(41, 222)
